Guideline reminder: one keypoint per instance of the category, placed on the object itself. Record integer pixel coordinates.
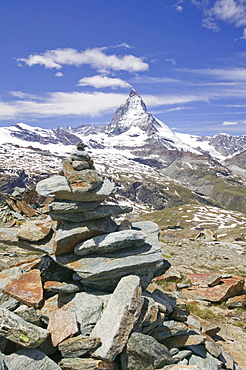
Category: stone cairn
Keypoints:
(88, 302)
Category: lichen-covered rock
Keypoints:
(81, 181)
(20, 331)
(9, 274)
(86, 364)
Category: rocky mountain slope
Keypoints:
(187, 314)
(152, 166)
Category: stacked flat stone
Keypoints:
(87, 239)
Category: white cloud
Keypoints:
(103, 81)
(152, 100)
(61, 104)
(228, 123)
(228, 74)
(229, 11)
(178, 7)
(233, 123)
(59, 74)
(232, 11)
(96, 58)
(173, 61)
(244, 34)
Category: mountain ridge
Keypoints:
(141, 154)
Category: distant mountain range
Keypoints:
(152, 166)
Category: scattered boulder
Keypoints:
(237, 301)
(228, 287)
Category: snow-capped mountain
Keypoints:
(152, 166)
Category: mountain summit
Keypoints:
(132, 115)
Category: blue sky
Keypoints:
(73, 62)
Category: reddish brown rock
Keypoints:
(62, 325)
(30, 264)
(9, 274)
(25, 208)
(27, 288)
(57, 301)
(84, 180)
(213, 280)
(170, 275)
(228, 287)
(238, 301)
(34, 231)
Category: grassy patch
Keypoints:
(203, 312)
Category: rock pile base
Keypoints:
(87, 303)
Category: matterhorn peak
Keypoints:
(133, 92)
(134, 101)
(131, 113)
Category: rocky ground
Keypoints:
(189, 256)
(202, 293)
(192, 247)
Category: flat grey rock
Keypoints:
(83, 155)
(68, 206)
(181, 355)
(162, 300)
(10, 303)
(118, 318)
(105, 271)
(2, 364)
(144, 352)
(20, 331)
(169, 329)
(9, 235)
(111, 242)
(57, 187)
(88, 310)
(26, 359)
(71, 234)
(99, 212)
(86, 364)
(204, 363)
(78, 346)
